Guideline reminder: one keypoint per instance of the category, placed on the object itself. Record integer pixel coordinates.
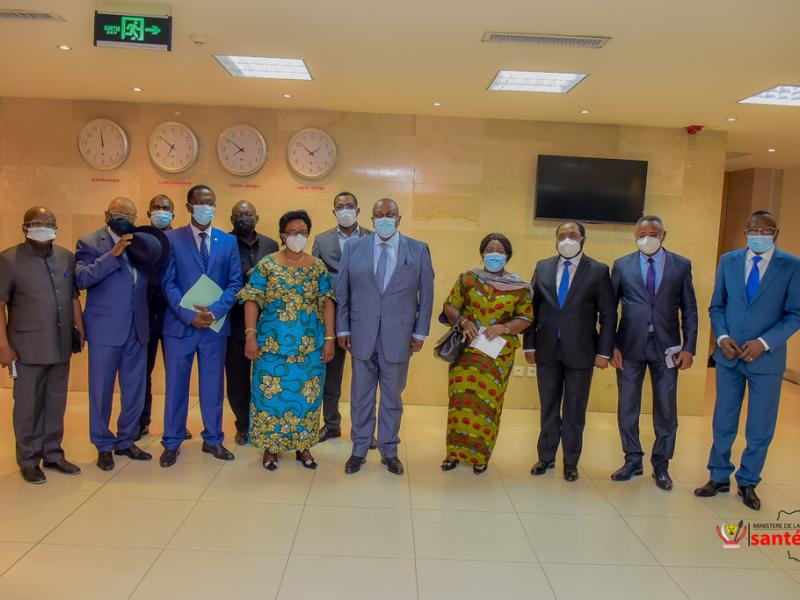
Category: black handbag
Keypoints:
(76, 340)
(450, 346)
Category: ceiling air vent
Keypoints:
(592, 42)
(11, 14)
(732, 155)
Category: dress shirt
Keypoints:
(196, 233)
(343, 238)
(115, 238)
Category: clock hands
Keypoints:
(102, 143)
(240, 149)
(310, 153)
(314, 152)
(171, 146)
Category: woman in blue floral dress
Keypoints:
(289, 335)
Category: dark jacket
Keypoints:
(250, 256)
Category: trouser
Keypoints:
(238, 379)
(332, 391)
(152, 354)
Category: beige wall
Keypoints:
(455, 180)
(789, 218)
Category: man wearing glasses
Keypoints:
(755, 309)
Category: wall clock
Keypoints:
(173, 147)
(242, 150)
(311, 153)
(103, 144)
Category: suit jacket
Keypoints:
(404, 308)
(773, 315)
(112, 298)
(326, 247)
(185, 267)
(675, 295)
(249, 257)
(590, 299)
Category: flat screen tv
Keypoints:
(594, 190)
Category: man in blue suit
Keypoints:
(754, 310)
(196, 250)
(659, 317)
(384, 295)
(117, 330)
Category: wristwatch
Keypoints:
(506, 329)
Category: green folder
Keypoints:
(204, 293)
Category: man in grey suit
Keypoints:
(654, 286)
(37, 288)
(328, 246)
(384, 296)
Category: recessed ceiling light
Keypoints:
(437, 104)
(264, 67)
(177, 113)
(536, 81)
(64, 47)
(770, 149)
(780, 95)
(731, 119)
(584, 112)
(287, 96)
(136, 89)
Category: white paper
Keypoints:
(670, 354)
(12, 370)
(490, 348)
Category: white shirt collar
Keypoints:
(393, 241)
(355, 233)
(196, 232)
(765, 258)
(113, 235)
(572, 261)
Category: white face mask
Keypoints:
(296, 242)
(41, 234)
(569, 248)
(346, 217)
(648, 245)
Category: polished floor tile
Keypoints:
(11, 552)
(550, 493)
(458, 580)
(141, 479)
(28, 517)
(612, 582)
(735, 584)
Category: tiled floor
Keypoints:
(207, 529)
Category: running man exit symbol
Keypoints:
(133, 28)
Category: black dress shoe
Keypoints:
(134, 453)
(663, 480)
(353, 464)
(393, 465)
(448, 464)
(712, 488)
(627, 471)
(749, 498)
(241, 438)
(168, 458)
(308, 463)
(188, 435)
(105, 461)
(540, 468)
(220, 451)
(570, 473)
(63, 466)
(32, 474)
(329, 434)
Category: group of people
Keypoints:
(277, 322)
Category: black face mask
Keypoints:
(120, 226)
(244, 226)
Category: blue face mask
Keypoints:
(760, 243)
(203, 213)
(161, 218)
(385, 226)
(494, 261)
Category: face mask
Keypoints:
(648, 245)
(385, 226)
(41, 234)
(296, 243)
(346, 217)
(760, 243)
(494, 261)
(203, 213)
(244, 225)
(161, 218)
(120, 225)
(569, 248)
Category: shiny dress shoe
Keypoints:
(329, 434)
(32, 474)
(241, 438)
(627, 471)
(308, 463)
(570, 473)
(63, 466)
(540, 468)
(134, 453)
(168, 458)
(663, 480)
(749, 498)
(269, 461)
(712, 488)
(393, 465)
(188, 435)
(448, 464)
(105, 461)
(353, 464)
(220, 451)
(478, 469)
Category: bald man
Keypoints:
(117, 330)
(37, 288)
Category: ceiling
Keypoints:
(668, 64)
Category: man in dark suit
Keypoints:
(571, 292)
(328, 246)
(659, 320)
(252, 248)
(755, 309)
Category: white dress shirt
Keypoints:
(762, 270)
(196, 233)
(115, 238)
(573, 266)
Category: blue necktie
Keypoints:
(380, 272)
(753, 280)
(650, 280)
(204, 250)
(563, 286)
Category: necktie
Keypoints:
(130, 267)
(563, 286)
(204, 250)
(380, 272)
(753, 279)
(650, 280)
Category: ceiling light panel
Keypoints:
(536, 81)
(264, 68)
(780, 95)
(545, 39)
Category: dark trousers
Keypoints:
(564, 396)
(152, 353)
(665, 406)
(332, 391)
(237, 374)
(40, 400)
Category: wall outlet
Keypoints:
(532, 371)
(519, 371)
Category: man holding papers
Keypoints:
(200, 284)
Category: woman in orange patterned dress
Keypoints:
(500, 302)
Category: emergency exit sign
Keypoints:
(133, 31)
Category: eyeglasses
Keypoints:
(304, 233)
(761, 231)
(349, 206)
(573, 236)
(48, 224)
(129, 218)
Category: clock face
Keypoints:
(242, 150)
(311, 153)
(173, 147)
(103, 144)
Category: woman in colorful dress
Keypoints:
(499, 301)
(289, 335)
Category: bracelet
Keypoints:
(250, 330)
(330, 337)
(459, 320)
